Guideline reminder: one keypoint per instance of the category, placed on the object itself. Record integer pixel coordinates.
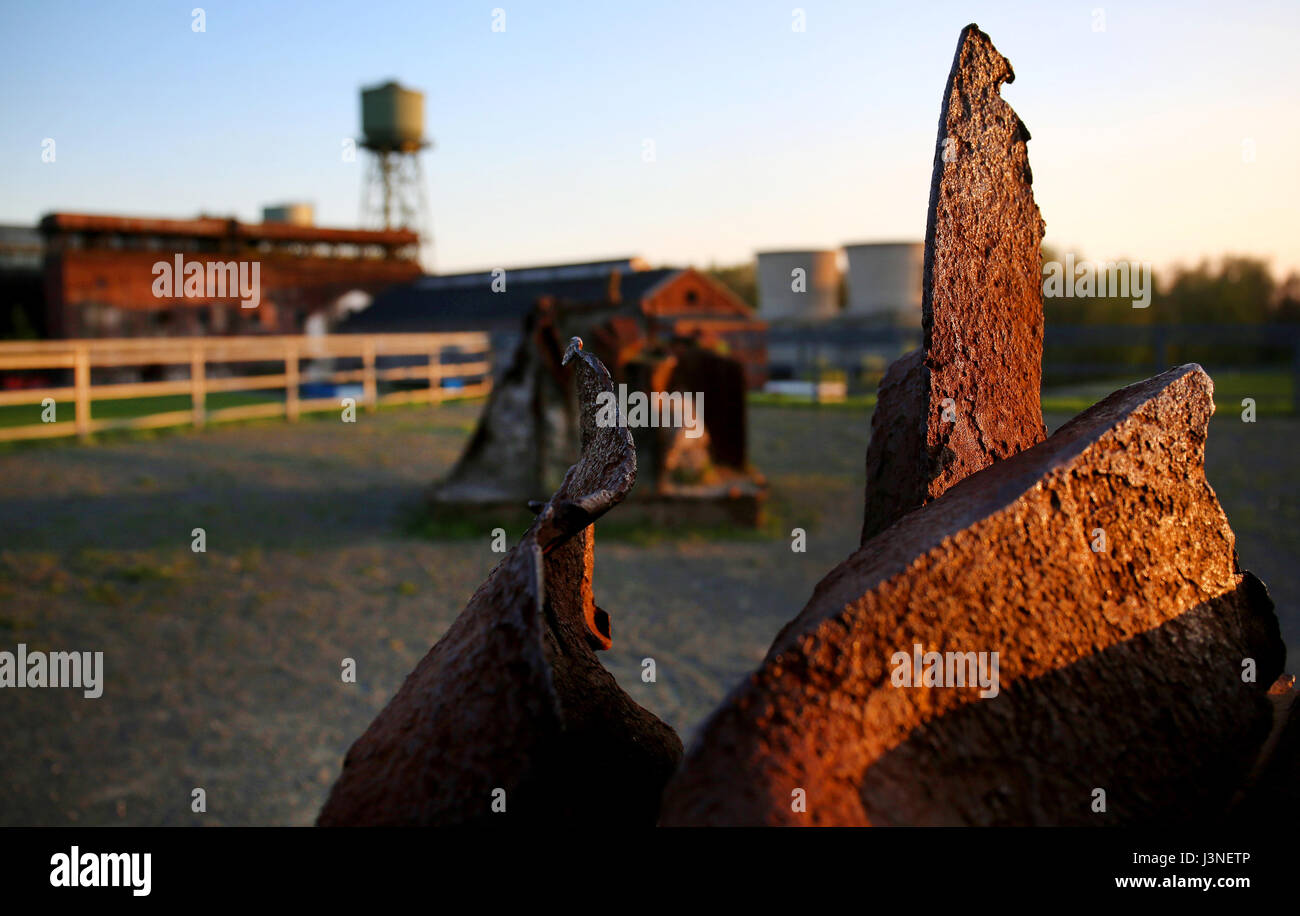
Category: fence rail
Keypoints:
(422, 358)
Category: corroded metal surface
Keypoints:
(1044, 632)
(529, 429)
(972, 396)
(1272, 794)
(1119, 669)
(513, 696)
(523, 431)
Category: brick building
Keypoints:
(634, 303)
(100, 273)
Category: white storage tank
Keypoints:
(885, 278)
(295, 214)
(798, 284)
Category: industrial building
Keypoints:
(99, 273)
(22, 286)
(884, 281)
(798, 286)
(807, 286)
(851, 323)
(654, 304)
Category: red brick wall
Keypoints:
(292, 287)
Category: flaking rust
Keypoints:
(513, 697)
(1032, 632)
(1119, 670)
(1272, 793)
(1090, 628)
(971, 395)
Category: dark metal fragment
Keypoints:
(1119, 669)
(513, 696)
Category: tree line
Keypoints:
(1232, 289)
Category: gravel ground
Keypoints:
(222, 668)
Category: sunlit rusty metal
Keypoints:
(513, 699)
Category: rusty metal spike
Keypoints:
(513, 696)
(982, 305)
(1118, 669)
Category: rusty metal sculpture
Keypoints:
(1271, 794)
(1033, 631)
(519, 449)
(1094, 573)
(1119, 669)
(1118, 665)
(512, 706)
(971, 395)
(529, 428)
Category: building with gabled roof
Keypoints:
(661, 303)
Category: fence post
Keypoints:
(198, 385)
(291, 381)
(368, 388)
(1295, 370)
(81, 380)
(435, 375)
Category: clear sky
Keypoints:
(764, 137)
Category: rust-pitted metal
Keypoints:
(900, 467)
(982, 305)
(530, 427)
(605, 473)
(1119, 670)
(1272, 793)
(513, 696)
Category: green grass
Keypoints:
(129, 408)
(612, 528)
(419, 522)
(147, 572)
(853, 402)
(1271, 389)
(12, 415)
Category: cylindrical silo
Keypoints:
(885, 278)
(295, 214)
(798, 284)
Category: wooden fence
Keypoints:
(421, 360)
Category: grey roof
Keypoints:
(466, 302)
(21, 235)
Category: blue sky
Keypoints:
(764, 137)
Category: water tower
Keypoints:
(392, 124)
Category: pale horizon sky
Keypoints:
(764, 137)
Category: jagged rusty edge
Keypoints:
(604, 474)
(431, 755)
(981, 305)
(1271, 794)
(518, 625)
(496, 469)
(798, 720)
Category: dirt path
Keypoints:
(223, 666)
